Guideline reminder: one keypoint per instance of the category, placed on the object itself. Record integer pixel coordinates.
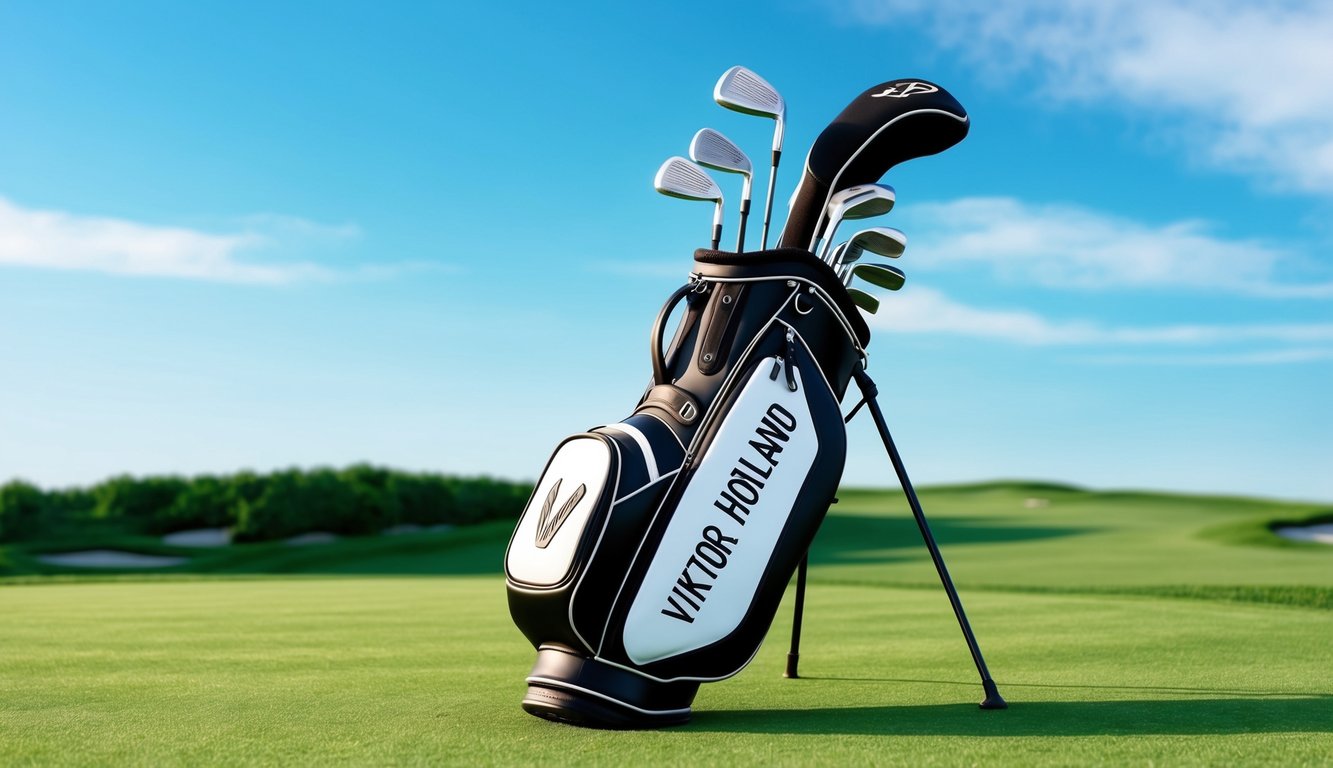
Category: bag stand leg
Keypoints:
(794, 655)
(869, 391)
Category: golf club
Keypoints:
(882, 275)
(680, 178)
(857, 202)
(864, 300)
(882, 241)
(885, 125)
(741, 90)
(713, 150)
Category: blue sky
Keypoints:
(262, 235)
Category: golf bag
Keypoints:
(654, 551)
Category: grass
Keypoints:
(1123, 628)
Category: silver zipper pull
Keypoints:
(791, 360)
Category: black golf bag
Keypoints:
(654, 551)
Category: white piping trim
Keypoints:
(578, 579)
(641, 489)
(820, 292)
(686, 678)
(819, 222)
(562, 684)
(649, 458)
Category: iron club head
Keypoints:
(713, 150)
(882, 275)
(680, 178)
(883, 241)
(860, 201)
(864, 300)
(741, 90)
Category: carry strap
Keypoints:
(659, 327)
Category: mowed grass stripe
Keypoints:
(415, 670)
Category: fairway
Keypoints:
(1122, 628)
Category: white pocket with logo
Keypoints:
(719, 542)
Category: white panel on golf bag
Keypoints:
(707, 569)
(550, 531)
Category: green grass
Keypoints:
(1124, 629)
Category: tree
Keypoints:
(22, 507)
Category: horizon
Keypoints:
(427, 240)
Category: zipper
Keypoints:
(791, 359)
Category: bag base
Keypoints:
(569, 688)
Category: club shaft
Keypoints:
(717, 224)
(768, 198)
(740, 232)
(825, 254)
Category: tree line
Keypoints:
(357, 500)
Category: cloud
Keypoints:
(67, 241)
(1249, 77)
(918, 310)
(1066, 246)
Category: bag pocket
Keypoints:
(720, 556)
(585, 519)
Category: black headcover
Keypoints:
(885, 125)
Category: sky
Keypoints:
(424, 235)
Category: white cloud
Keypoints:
(1250, 77)
(922, 311)
(1071, 247)
(67, 241)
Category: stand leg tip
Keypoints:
(792, 660)
(993, 698)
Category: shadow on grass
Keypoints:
(1208, 714)
(865, 539)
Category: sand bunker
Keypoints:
(199, 537)
(110, 558)
(1322, 534)
(313, 537)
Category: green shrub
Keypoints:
(204, 502)
(483, 498)
(360, 499)
(136, 500)
(423, 499)
(22, 508)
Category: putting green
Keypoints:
(1123, 629)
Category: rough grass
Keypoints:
(1121, 630)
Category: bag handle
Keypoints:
(659, 327)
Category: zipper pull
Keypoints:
(791, 361)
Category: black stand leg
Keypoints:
(794, 655)
(993, 699)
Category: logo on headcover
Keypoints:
(550, 521)
(903, 90)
